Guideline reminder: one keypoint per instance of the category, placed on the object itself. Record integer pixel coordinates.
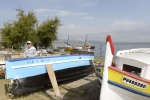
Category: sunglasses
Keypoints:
(28, 43)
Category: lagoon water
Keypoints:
(100, 47)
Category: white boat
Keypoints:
(129, 79)
(77, 48)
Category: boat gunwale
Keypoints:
(130, 75)
(64, 55)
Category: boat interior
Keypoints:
(132, 69)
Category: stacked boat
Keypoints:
(26, 75)
(128, 78)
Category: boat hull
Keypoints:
(26, 75)
(34, 83)
(77, 48)
(119, 92)
(120, 89)
(68, 48)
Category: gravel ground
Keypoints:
(87, 88)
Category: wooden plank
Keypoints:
(53, 80)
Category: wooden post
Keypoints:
(53, 80)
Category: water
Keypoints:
(118, 46)
(100, 47)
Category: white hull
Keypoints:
(116, 93)
(78, 48)
(114, 89)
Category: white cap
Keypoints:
(28, 41)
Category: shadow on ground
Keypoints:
(88, 91)
(87, 88)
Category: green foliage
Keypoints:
(47, 32)
(26, 28)
(6, 34)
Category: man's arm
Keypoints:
(35, 53)
(24, 54)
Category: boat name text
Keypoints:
(38, 61)
(134, 82)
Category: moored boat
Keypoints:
(129, 78)
(78, 48)
(68, 48)
(29, 74)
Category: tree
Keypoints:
(47, 32)
(16, 33)
(26, 28)
(6, 34)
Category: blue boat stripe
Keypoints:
(126, 88)
(99, 76)
(56, 62)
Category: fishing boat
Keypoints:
(87, 44)
(26, 75)
(3, 57)
(77, 48)
(128, 78)
(68, 48)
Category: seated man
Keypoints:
(30, 51)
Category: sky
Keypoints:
(124, 20)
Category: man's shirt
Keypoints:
(30, 52)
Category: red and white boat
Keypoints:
(129, 79)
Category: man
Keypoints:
(30, 51)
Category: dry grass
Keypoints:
(99, 60)
(3, 95)
(87, 88)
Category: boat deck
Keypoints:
(140, 54)
(141, 57)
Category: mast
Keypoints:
(86, 40)
(68, 39)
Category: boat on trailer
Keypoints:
(26, 75)
(129, 78)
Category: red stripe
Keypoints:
(108, 39)
(130, 75)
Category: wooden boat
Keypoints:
(92, 47)
(26, 75)
(87, 44)
(77, 48)
(129, 79)
(2, 67)
(69, 48)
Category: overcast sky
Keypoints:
(124, 20)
